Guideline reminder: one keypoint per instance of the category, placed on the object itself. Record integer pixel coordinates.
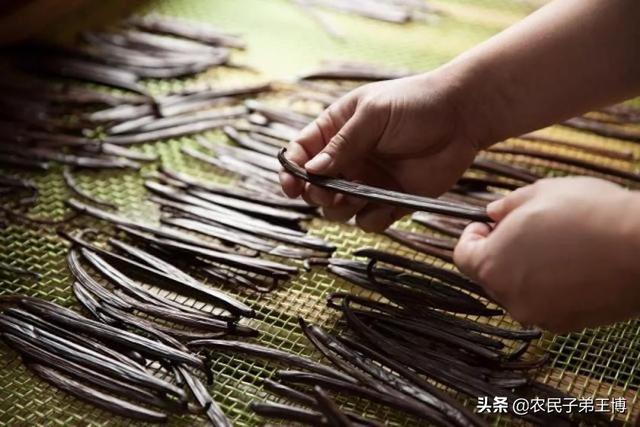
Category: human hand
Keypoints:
(406, 135)
(563, 256)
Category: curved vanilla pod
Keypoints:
(446, 276)
(97, 398)
(71, 319)
(144, 273)
(272, 354)
(81, 275)
(156, 305)
(73, 186)
(166, 267)
(202, 396)
(122, 318)
(381, 195)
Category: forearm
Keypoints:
(566, 58)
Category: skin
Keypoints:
(556, 243)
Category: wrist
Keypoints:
(478, 102)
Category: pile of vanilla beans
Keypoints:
(147, 287)
(48, 118)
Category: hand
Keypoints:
(563, 256)
(405, 134)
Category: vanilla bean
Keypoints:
(290, 413)
(71, 319)
(213, 411)
(504, 169)
(250, 144)
(237, 192)
(78, 371)
(424, 246)
(292, 119)
(255, 157)
(231, 165)
(413, 385)
(148, 41)
(73, 186)
(280, 356)
(83, 161)
(602, 129)
(167, 133)
(353, 74)
(150, 123)
(392, 400)
(187, 30)
(124, 222)
(253, 208)
(153, 303)
(82, 340)
(385, 196)
(568, 160)
(298, 396)
(233, 219)
(62, 66)
(97, 398)
(82, 355)
(617, 154)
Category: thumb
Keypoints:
(471, 250)
(499, 209)
(349, 144)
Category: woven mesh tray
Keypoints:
(283, 42)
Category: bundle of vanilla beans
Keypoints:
(408, 350)
(49, 118)
(103, 363)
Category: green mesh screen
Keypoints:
(283, 41)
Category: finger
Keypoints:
(291, 185)
(317, 134)
(499, 209)
(349, 145)
(297, 154)
(344, 208)
(470, 251)
(319, 196)
(375, 218)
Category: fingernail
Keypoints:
(319, 163)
